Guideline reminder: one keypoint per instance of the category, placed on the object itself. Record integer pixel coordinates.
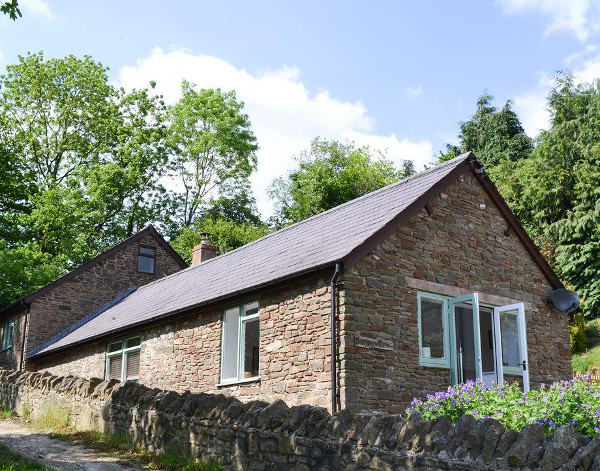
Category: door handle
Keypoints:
(524, 366)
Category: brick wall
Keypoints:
(460, 245)
(186, 355)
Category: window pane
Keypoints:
(115, 367)
(230, 344)
(147, 251)
(251, 336)
(133, 365)
(114, 347)
(432, 328)
(509, 330)
(132, 342)
(250, 309)
(146, 264)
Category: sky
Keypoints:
(398, 76)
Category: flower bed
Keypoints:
(575, 402)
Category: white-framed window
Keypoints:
(240, 344)
(7, 333)
(123, 359)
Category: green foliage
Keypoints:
(575, 402)
(11, 8)
(577, 333)
(10, 461)
(25, 268)
(493, 135)
(331, 173)
(79, 167)
(224, 234)
(6, 413)
(212, 146)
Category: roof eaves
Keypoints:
(163, 317)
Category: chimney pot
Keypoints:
(204, 250)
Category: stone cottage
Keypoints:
(37, 317)
(421, 284)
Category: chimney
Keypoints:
(203, 251)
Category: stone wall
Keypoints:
(261, 436)
(294, 356)
(460, 248)
(61, 307)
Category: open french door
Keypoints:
(465, 339)
(510, 342)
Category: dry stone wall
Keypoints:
(262, 436)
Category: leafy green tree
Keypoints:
(80, 163)
(224, 234)
(494, 136)
(24, 269)
(331, 173)
(212, 147)
(89, 155)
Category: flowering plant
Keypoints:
(575, 402)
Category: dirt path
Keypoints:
(55, 453)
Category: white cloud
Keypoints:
(533, 112)
(285, 115)
(38, 8)
(578, 17)
(415, 91)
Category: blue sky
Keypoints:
(394, 75)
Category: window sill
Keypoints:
(433, 364)
(255, 379)
(5, 349)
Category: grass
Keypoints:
(6, 413)
(10, 461)
(589, 359)
(122, 447)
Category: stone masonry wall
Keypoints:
(294, 356)
(461, 245)
(63, 306)
(11, 357)
(261, 436)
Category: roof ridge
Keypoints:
(321, 214)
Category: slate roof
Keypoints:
(343, 234)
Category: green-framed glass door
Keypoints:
(465, 341)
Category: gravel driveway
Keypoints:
(56, 453)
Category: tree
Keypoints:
(212, 147)
(79, 161)
(560, 187)
(329, 174)
(11, 8)
(493, 135)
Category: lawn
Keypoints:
(589, 359)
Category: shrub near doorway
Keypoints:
(575, 402)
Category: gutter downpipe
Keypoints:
(334, 385)
(25, 326)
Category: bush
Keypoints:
(581, 365)
(575, 402)
(577, 333)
